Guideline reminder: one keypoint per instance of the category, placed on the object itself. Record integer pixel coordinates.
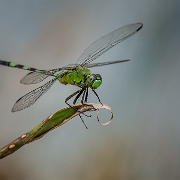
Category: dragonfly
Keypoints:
(77, 74)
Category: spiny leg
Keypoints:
(86, 97)
(97, 96)
(69, 97)
(76, 98)
(78, 92)
(83, 121)
(82, 99)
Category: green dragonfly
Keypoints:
(75, 74)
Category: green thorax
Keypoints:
(75, 76)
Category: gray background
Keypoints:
(143, 141)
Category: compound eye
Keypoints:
(92, 77)
(97, 81)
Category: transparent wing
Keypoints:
(36, 77)
(33, 78)
(106, 42)
(31, 97)
(105, 63)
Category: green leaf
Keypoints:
(53, 121)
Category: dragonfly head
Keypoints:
(94, 81)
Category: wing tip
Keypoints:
(140, 26)
(15, 108)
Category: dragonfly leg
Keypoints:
(83, 121)
(97, 96)
(86, 97)
(73, 94)
(76, 98)
(78, 92)
(83, 96)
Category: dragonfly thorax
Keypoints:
(75, 76)
(94, 81)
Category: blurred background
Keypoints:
(143, 141)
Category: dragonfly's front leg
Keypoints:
(97, 96)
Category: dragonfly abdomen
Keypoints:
(20, 66)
